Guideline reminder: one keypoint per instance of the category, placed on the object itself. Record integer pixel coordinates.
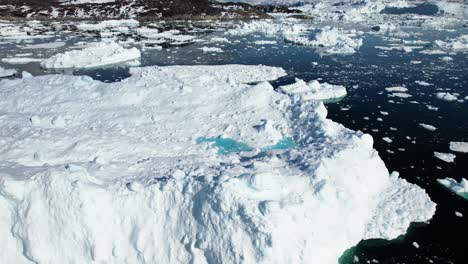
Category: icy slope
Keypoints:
(115, 173)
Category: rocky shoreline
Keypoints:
(138, 9)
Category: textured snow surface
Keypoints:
(95, 55)
(114, 173)
(6, 72)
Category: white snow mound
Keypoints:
(113, 172)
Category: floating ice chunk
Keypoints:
(211, 49)
(447, 157)
(423, 83)
(428, 127)
(20, 60)
(168, 35)
(459, 188)
(95, 55)
(387, 139)
(415, 244)
(50, 45)
(396, 89)
(458, 214)
(333, 41)
(314, 90)
(433, 108)
(459, 146)
(265, 42)
(109, 24)
(6, 72)
(447, 97)
(401, 95)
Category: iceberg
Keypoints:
(115, 172)
(95, 55)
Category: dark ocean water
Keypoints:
(366, 74)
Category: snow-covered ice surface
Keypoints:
(99, 54)
(116, 167)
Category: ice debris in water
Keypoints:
(115, 167)
(97, 54)
(314, 90)
(447, 157)
(6, 72)
(459, 188)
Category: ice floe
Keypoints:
(95, 55)
(211, 49)
(459, 146)
(118, 168)
(459, 188)
(314, 90)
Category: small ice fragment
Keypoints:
(416, 245)
(458, 214)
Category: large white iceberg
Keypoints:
(95, 55)
(115, 173)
